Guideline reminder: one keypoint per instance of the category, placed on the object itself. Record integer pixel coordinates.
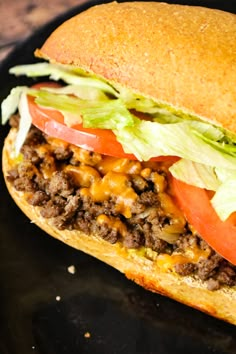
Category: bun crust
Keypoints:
(149, 274)
(182, 56)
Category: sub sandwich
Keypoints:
(124, 146)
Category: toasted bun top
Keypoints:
(182, 56)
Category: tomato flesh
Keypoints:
(196, 205)
(103, 141)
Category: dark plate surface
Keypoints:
(120, 316)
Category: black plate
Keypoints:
(120, 316)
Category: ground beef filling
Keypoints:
(118, 199)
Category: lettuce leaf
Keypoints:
(83, 92)
(224, 200)
(196, 174)
(24, 125)
(103, 114)
(11, 103)
(149, 139)
(61, 72)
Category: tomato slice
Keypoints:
(196, 205)
(102, 141)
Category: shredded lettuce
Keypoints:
(149, 139)
(83, 92)
(104, 114)
(113, 115)
(223, 144)
(11, 103)
(25, 123)
(224, 200)
(196, 174)
(61, 72)
(224, 174)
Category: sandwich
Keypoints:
(124, 146)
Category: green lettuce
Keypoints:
(25, 123)
(149, 139)
(61, 72)
(224, 200)
(103, 114)
(196, 174)
(11, 103)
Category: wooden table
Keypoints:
(18, 19)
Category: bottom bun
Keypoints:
(152, 275)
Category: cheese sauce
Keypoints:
(104, 178)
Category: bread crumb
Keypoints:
(87, 335)
(71, 269)
(58, 298)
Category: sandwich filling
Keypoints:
(156, 179)
(124, 201)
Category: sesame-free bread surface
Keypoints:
(150, 274)
(182, 56)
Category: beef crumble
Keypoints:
(70, 186)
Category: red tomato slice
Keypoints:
(196, 205)
(102, 141)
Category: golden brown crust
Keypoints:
(147, 273)
(184, 56)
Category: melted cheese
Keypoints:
(146, 173)
(192, 255)
(47, 166)
(113, 223)
(159, 182)
(84, 176)
(170, 208)
(109, 163)
(114, 185)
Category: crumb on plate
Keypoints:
(87, 335)
(71, 269)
